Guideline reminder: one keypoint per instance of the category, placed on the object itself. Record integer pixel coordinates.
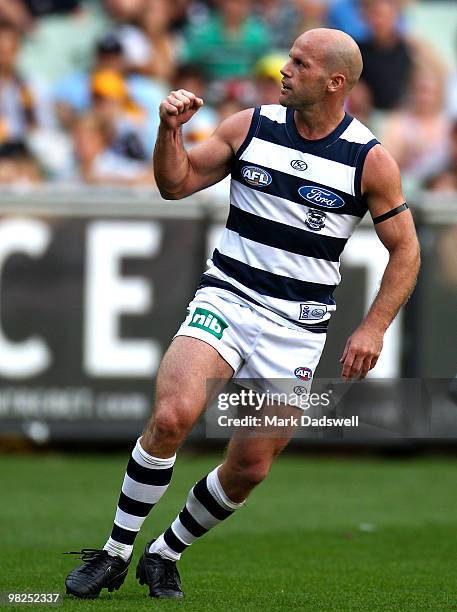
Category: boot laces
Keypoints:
(91, 556)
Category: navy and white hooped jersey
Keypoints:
(294, 203)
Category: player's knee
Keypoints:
(166, 426)
(253, 474)
(171, 423)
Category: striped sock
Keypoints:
(206, 506)
(146, 480)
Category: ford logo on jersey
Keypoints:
(256, 176)
(321, 197)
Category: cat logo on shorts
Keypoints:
(208, 321)
(303, 373)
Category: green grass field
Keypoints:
(320, 534)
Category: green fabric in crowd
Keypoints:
(223, 55)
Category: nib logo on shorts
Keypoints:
(210, 322)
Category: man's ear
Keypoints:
(337, 82)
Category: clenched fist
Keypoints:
(178, 108)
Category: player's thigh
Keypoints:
(185, 373)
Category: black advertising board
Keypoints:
(87, 307)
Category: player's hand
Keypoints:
(178, 107)
(361, 352)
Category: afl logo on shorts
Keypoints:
(321, 197)
(303, 373)
(298, 164)
(257, 177)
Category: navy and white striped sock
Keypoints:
(146, 480)
(206, 506)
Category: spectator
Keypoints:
(359, 103)
(203, 123)
(18, 167)
(125, 11)
(225, 108)
(156, 21)
(112, 103)
(15, 12)
(126, 16)
(61, 42)
(228, 107)
(268, 78)
(452, 93)
(98, 163)
(144, 28)
(446, 179)
(387, 56)
(36, 8)
(186, 11)
(311, 14)
(284, 18)
(229, 44)
(22, 105)
(350, 16)
(73, 94)
(418, 134)
(22, 13)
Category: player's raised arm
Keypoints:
(180, 173)
(381, 183)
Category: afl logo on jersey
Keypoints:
(258, 177)
(298, 164)
(321, 197)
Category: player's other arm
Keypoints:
(179, 173)
(381, 183)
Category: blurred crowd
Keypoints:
(81, 81)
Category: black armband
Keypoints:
(390, 213)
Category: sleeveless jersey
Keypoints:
(294, 203)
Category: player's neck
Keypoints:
(315, 123)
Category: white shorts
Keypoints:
(256, 347)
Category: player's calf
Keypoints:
(239, 479)
(206, 506)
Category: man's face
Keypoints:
(382, 17)
(110, 61)
(304, 78)
(124, 10)
(88, 142)
(453, 152)
(9, 45)
(235, 10)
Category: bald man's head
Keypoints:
(323, 66)
(338, 52)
